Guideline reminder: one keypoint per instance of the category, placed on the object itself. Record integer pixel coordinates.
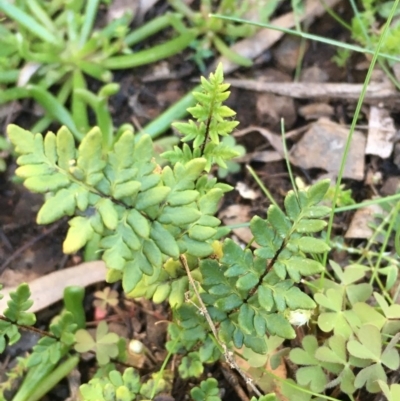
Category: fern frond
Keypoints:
(252, 292)
(143, 214)
(16, 314)
(49, 350)
(212, 120)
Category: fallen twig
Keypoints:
(376, 92)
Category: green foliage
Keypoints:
(46, 45)
(249, 294)
(105, 298)
(232, 166)
(365, 25)
(208, 391)
(50, 48)
(143, 214)
(49, 350)
(157, 233)
(14, 375)
(4, 150)
(212, 121)
(214, 36)
(43, 363)
(344, 197)
(18, 305)
(391, 393)
(357, 339)
(116, 386)
(191, 366)
(146, 216)
(16, 314)
(105, 344)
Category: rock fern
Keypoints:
(144, 219)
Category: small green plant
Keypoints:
(49, 49)
(344, 197)
(157, 233)
(50, 360)
(366, 30)
(208, 391)
(212, 34)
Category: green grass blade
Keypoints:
(309, 36)
(28, 22)
(148, 29)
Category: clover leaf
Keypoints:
(208, 391)
(191, 366)
(334, 352)
(311, 375)
(341, 322)
(105, 345)
(392, 393)
(369, 346)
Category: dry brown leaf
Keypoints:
(265, 156)
(261, 378)
(275, 140)
(288, 52)
(314, 74)
(271, 109)
(246, 192)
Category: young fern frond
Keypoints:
(16, 314)
(212, 121)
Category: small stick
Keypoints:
(231, 378)
(203, 310)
